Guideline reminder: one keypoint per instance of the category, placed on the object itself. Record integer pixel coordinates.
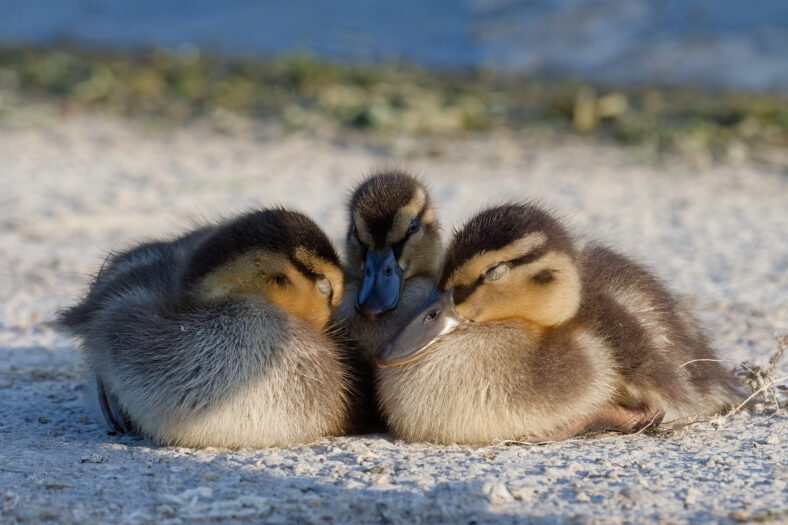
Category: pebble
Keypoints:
(93, 458)
(554, 473)
(497, 493)
(525, 492)
(631, 493)
(691, 496)
(199, 492)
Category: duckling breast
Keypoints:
(237, 374)
(490, 382)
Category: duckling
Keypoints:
(392, 257)
(530, 336)
(219, 338)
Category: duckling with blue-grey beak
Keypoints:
(392, 257)
(530, 336)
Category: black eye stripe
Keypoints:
(461, 293)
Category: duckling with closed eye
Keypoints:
(528, 336)
(392, 257)
(219, 338)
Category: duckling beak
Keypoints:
(437, 318)
(380, 289)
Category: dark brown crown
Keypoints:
(277, 230)
(497, 227)
(379, 198)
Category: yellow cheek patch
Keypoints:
(300, 298)
(473, 268)
(519, 297)
(421, 255)
(321, 266)
(254, 274)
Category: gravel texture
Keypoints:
(73, 188)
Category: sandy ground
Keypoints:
(74, 188)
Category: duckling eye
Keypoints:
(414, 226)
(495, 272)
(323, 285)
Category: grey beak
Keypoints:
(437, 318)
(382, 284)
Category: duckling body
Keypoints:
(530, 337)
(216, 338)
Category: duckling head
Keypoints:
(277, 254)
(393, 235)
(513, 262)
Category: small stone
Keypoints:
(524, 493)
(198, 492)
(171, 499)
(631, 493)
(166, 511)
(44, 420)
(582, 497)
(774, 439)
(210, 476)
(554, 473)
(377, 470)
(497, 493)
(93, 458)
(691, 497)
(382, 481)
(740, 515)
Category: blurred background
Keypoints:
(676, 75)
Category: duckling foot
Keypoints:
(618, 419)
(113, 415)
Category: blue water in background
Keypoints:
(735, 44)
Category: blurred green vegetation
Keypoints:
(300, 91)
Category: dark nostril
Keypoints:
(368, 272)
(432, 315)
(387, 271)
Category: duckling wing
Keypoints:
(662, 354)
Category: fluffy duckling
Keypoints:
(392, 257)
(219, 337)
(529, 336)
